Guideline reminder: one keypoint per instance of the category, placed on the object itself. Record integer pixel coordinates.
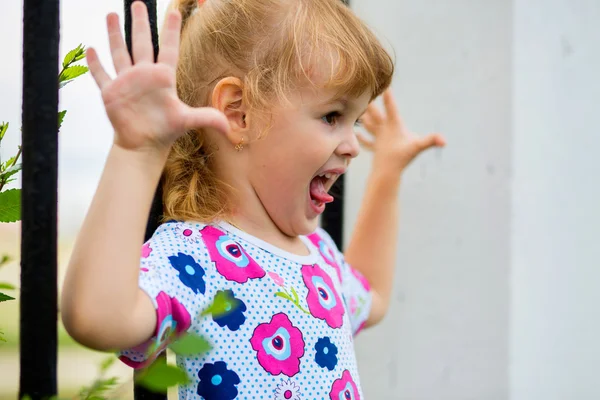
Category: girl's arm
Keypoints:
(102, 305)
(372, 247)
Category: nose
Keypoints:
(349, 147)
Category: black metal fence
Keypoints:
(39, 309)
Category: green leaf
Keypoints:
(5, 259)
(10, 205)
(61, 117)
(295, 295)
(5, 297)
(63, 84)
(98, 388)
(189, 345)
(107, 363)
(7, 286)
(74, 55)
(8, 163)
(72, 72)
(3, 128)
(222, 304)
(11, 171)
(284, 295)
(160, 376)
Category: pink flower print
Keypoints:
(231, 259)
(323, 300)
(277, 279)
(279, 346)
(344, 388)
(326, 252)
(186, 234)
(360, 277)
(353, 305)
(173, 320)
(146, 250)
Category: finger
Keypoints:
(367, 122)
(118, 49)
(141, 37)
(206, 117)
(365, 142)
(169, 44)
(375, 114)
(96, 68)
(391, 109)
(430, 141)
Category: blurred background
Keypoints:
(497, 285)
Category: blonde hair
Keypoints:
(272, 46)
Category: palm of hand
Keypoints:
(141, 102)
(392, 143)
(143, 106)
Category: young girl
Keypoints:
(249, 116)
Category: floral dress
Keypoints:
(288, 326)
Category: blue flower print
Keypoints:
(217, 382)
(234, 316)
(190, 272)
(326, 356)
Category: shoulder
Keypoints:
(182, 230)
(321, 238)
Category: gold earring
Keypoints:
(240, 145)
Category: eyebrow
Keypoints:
(344, 102)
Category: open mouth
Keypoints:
(319, 188)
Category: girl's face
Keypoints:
(310, 143)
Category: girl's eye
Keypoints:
(331, 118)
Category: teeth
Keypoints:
(327, 175)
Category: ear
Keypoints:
(227, 97)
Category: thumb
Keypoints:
(206, 117)
(430, 141)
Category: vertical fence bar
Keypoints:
(333, 217)
(140, 393)
(38, 309)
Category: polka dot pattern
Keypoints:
(281, 291)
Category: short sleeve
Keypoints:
(173, 271)
(356, 290)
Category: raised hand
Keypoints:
(392, 144)
(141, 102)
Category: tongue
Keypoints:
(318, 192)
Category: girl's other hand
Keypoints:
(392, 144)
(142, 102)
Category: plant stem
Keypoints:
(16, 157)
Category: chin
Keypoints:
(300, 226)
(310, 226)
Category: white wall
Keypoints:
(555, 300)
(447, 333)
(496, 292)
